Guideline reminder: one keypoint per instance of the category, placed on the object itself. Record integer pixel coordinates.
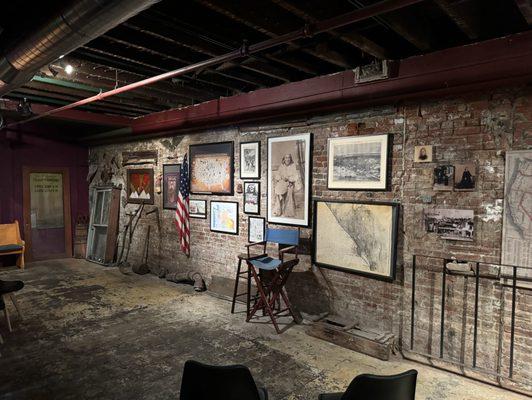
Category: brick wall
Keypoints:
(476, 127)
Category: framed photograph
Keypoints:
(211, 168)
(422, 154)
(171, 176)
(289, 179)
(450, 223)
(198, 209)
(224, 217)
(356, 237)
(140, 186)
(252, 197)
(444, 178)
(256, 229)
(250, 160)
(465, 177)
(358, 162)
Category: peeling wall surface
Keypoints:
(477, 127)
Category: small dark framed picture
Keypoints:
(465, 177)
(252, 197)
(444, 177)
(256, 229)
(250, 160)
(140, 186)
(224, 217)
(171, 176)
(198, 209)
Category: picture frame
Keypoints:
(211, 168)
(171, 181)
(252, 198)
(224, 217)
(450, 223)
(250, 160)
(465, 177)
(140, 186)
(358, 162)
(256, 229)
(443, 178)
(346, 238)
(423, 154)
(289, 180)
(198, 208)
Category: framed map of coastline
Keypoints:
(356, 237)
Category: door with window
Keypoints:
(47, 221)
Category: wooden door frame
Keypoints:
(26, 201)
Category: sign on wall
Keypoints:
(46, 194)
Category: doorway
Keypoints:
(47, 218)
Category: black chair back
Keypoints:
(376, 387)
(206, 382)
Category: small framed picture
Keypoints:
(224, 217)
(252, 197)
(250, 160)
(444, 177)
(422, 154)
(256, 229)
(198, 209)
(450, 224)
(140, 188)
(171, 176)
(465, 177)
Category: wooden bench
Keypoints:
(11, 242)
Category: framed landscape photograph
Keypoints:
(358, 162)
(356, 237)
(422, 154)
(250, 160)
(450, 223)
(198, 208)
(171, 175)
(289, 179)
(211, 168)
(224, 217)
(140, 186)
(465, 177)
(256, 229)
(252, 197)
(444, 178)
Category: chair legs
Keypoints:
(20, 261)
(6, 311)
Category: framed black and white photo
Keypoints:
(198, 208)
(224, 217)
(250, 160)
(356, 237)
(252, 197)
(465, 177)
(211, 168)
(358, 162)
(423, 154)
(444, 178)
(450, 223)
(256, 229)
(171, 175)
(289, 179)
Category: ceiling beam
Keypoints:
(525, 6)
(461, 17)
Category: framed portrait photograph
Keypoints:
(140, 186)
(450, 223)
(356, 237)
(250, 160)
(171, 176)
(211, 168)
(224, 217)
(198, 208)
(358, 162)
(465, 177)
(256, 229)
(252, 197)
(422, 154)
(289, 179)
(444, 177)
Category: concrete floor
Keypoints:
(90, 332)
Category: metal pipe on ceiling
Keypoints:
(304, 32)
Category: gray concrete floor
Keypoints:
(90, 332)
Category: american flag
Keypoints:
(182, 210)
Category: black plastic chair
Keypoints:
(207, 382)
(377, 387)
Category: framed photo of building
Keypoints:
(211, 168)
(465, 177)
(140, 186)
(224, 217)
(198, 208)
(289, 160)
(422, 154)
(450, 223)
(256, 229)
(358, 162)
(171, 176)
(252, 197)
(250, 160)
(356, 237)
(444, 177)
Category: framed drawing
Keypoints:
(198, 209)
(450, 223)
(358, 162)
(465, 177)
(252, 197)
(250, 160)
(256, 229)
(140, 186)
(289, 179)
(422, 154)
(171, 175)
(356, 237)
(224, 217)
(211, 168)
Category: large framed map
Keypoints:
(356, 237)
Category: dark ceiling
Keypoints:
(173, 34)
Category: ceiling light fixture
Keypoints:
(69, 69)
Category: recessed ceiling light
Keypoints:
(69, 69)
